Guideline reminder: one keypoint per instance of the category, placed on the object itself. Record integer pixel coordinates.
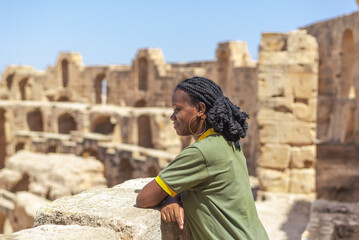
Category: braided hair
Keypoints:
(225, 117)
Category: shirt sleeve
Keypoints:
(185, 172)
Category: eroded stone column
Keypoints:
(287, 93)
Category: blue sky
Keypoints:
(111, 32)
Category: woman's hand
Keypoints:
(173, 211)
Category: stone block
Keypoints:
(303, 157)
(304, 85)
(111, 208)
(273, 180)
(299, 40)
(9, 178)
(273, 42)
(268, 115)
(274, 156)
(279, 104)
(297, 133)
(270, 85)
(274, 58)
(302, 180)
(70, 232)
(303, 57)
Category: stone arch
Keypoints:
(90, 152)
(65, 72)
(125, 170)
(142, 73)
(52, 148)
(19, 146)
(66, 123)
(223, 65)
(101, 89)
(34, 121)
(63, 99)
(346, 85)
(9, 81)
(140, 103)
(144, 132)
(104, 125)
(3, 139)
(152, 171)
(23, 88)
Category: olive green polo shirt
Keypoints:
(212, 177)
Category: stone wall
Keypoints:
(287, 93)
(338, 113)
(107, 213)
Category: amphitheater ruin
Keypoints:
(303, 141)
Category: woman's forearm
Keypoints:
(151, 195)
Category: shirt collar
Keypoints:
(206, 134)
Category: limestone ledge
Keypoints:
(110, 211)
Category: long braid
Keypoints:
(222, 114)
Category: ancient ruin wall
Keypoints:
(338, 113)
(287, 95)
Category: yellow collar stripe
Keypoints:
(164, 186)
(206, 134)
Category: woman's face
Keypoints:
(183, 112)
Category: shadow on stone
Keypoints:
(297, 219)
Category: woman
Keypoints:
(210, 176)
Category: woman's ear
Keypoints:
(201, 109)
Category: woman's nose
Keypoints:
(173, 117)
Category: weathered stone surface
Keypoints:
(110, 208)
(273, 180)
(294, 133)
(26, 205)
(299, 40)
(302, 180)
(9, 178)
(303, 157)
(274, 156)
(58, 232)
(332, 220)
(273, 42)
(43, 174)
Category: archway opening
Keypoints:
(104, 125)
(101, 89)
(34, 121)
(9, 81)
(152, 171)
(223, 63)
(19, 146)
(23, 88)
(52, 148)
(144, 132)
(140, 103)
(143, 74)
(346, 85)
(63, 99)
(90, 152)
(125, 170)
(65, 73)
(2, 138)
(66, 123)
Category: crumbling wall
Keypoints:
(338, 112)
(287, 93)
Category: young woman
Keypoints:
(210, 176)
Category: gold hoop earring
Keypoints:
(198, 134)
